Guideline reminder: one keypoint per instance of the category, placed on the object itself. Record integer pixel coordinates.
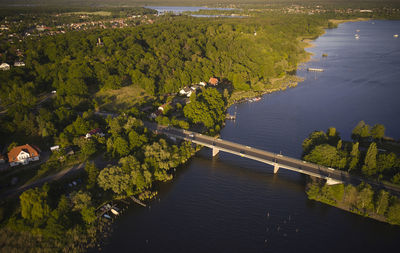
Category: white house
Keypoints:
(19, 64)
(202, 84)
(186, 92)
(22, 155)
(4, 66)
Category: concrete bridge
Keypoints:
(278, 161)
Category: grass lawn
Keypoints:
(121, 99)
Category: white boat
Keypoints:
(106, 216)
(115, 212)
(315, 69)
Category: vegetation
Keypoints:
(72, 74)
(361, 199)
(362, 156)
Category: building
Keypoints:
(94, 132)
(213, 81)
(23, 155)
(19, 64)
(4, 66)
(202, 84)
(186, 92)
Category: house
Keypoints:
(186, 92)
(19, 64)
(213, 81)
(4, 66)
(162, 107)
(202, 84)
(54, 148)
(94, 132)
(23, 155)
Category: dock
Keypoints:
(315, 69)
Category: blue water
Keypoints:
(221, 204)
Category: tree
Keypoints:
(355, 156)
(92, 173)
(88, 214)
(381, 202)
(116, 179)
(378, 131)
(369, 167)
(314, 139)
(361, 131)
(365, 198)
(393, 214)
(34, 205)
(121, 146)
(80, 200)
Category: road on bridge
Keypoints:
(267, 157)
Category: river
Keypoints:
(231, 204)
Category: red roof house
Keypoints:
(213, 81)
(23, 155)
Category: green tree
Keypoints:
(34, 205)
(381, 202)
(365, 198)
(80, 200)
(369, 167)
(378, 131)
(121, 146)
(361, 130)
(92, 173)
(355, 156)
(116, 179)
(314, 139)
(393, 214)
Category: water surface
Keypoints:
(230, 204)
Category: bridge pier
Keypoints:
(215, 151)
(331, 181)
(276, 168)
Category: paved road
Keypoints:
(268, 157)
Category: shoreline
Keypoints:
(293, 82)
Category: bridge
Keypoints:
(277, 161)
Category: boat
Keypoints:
(115, 212)
(315, 69)
(357, 30)
(357, 36)
(107, 216)
(395, 36)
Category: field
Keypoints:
(121, 99)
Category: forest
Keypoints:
(370, 154)
(54, 100)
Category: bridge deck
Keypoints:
(277, 160)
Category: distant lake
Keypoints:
(231, 204)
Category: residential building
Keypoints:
(19, 64)
(4, 66)
(213, 81)
(23, 155)
(94, 132)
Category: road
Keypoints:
(280, 161)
